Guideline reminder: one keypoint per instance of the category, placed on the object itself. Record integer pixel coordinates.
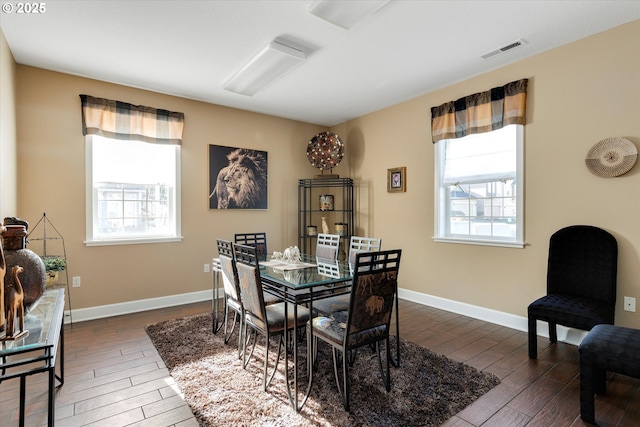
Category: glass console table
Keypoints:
(36, 351)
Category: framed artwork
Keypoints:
(397, 180)
(237, 178)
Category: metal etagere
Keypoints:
(52, 245)
(310, 211)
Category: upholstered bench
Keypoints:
(606, 348)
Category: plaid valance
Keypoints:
(480, 112)
(121, 120)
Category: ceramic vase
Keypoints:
(325, 227)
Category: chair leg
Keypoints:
(227, 332)
(600, 381)
(553, 332)
(587, 410)
(246, 358)
(281, 345)
(341, 390)
(241, 332)
(533, 338)
(345, 377)
(384, 374)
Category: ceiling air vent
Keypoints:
(503, 49)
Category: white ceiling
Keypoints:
(189, 48)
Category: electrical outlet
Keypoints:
(76, 281)
(629, 304)
(207, 268)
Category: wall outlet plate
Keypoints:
(629, 304)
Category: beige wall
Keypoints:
(51, 176)
(8, 164)
(578, 95)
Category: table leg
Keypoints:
(23, 381)
(52, 397)
(61, 377)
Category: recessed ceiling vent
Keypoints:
(503, 49)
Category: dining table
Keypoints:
(301, 283)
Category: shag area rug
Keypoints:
(426, 389)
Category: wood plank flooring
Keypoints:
(114, 376)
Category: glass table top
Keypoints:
(311, 272)
(42, 323)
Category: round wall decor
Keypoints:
(325, 150)
(611, 157)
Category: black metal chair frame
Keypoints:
(581, 282)
(233, 302)
(374, 290)
(266, 319)
(257, 240)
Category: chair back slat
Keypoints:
(250, 283)
(228, 267)
(257, 240)
(372, 294)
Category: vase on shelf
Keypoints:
(325, 227)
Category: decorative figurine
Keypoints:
(13, 301)
(325, 226)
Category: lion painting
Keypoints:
(242, 183)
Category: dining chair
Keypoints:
(581, 282)
(257, 240)
(337, 303)
(268, 320)
(327, 246)
(367, 320)
(231, 291)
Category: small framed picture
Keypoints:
(397, 180)
(326, 202)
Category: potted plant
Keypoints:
(53, 265)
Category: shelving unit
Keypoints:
(309, 212)
(52, 244)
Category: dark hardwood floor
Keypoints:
(114, 376)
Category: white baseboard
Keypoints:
(110, 310)
(568, 335)
(520, 323)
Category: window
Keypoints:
(478, 195)
(133, 191)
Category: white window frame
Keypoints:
(92, 208)
(442, 212)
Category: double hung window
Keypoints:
(133, 191)
(478, 194)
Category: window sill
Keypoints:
(138, 241)
(480, 242)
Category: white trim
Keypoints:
(110, 310)
(520, 323)
(480, 242)
(567, 335)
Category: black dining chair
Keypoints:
(581, 282)
(366, 322)
(231, 291)
(268, 320)
(257, 240)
